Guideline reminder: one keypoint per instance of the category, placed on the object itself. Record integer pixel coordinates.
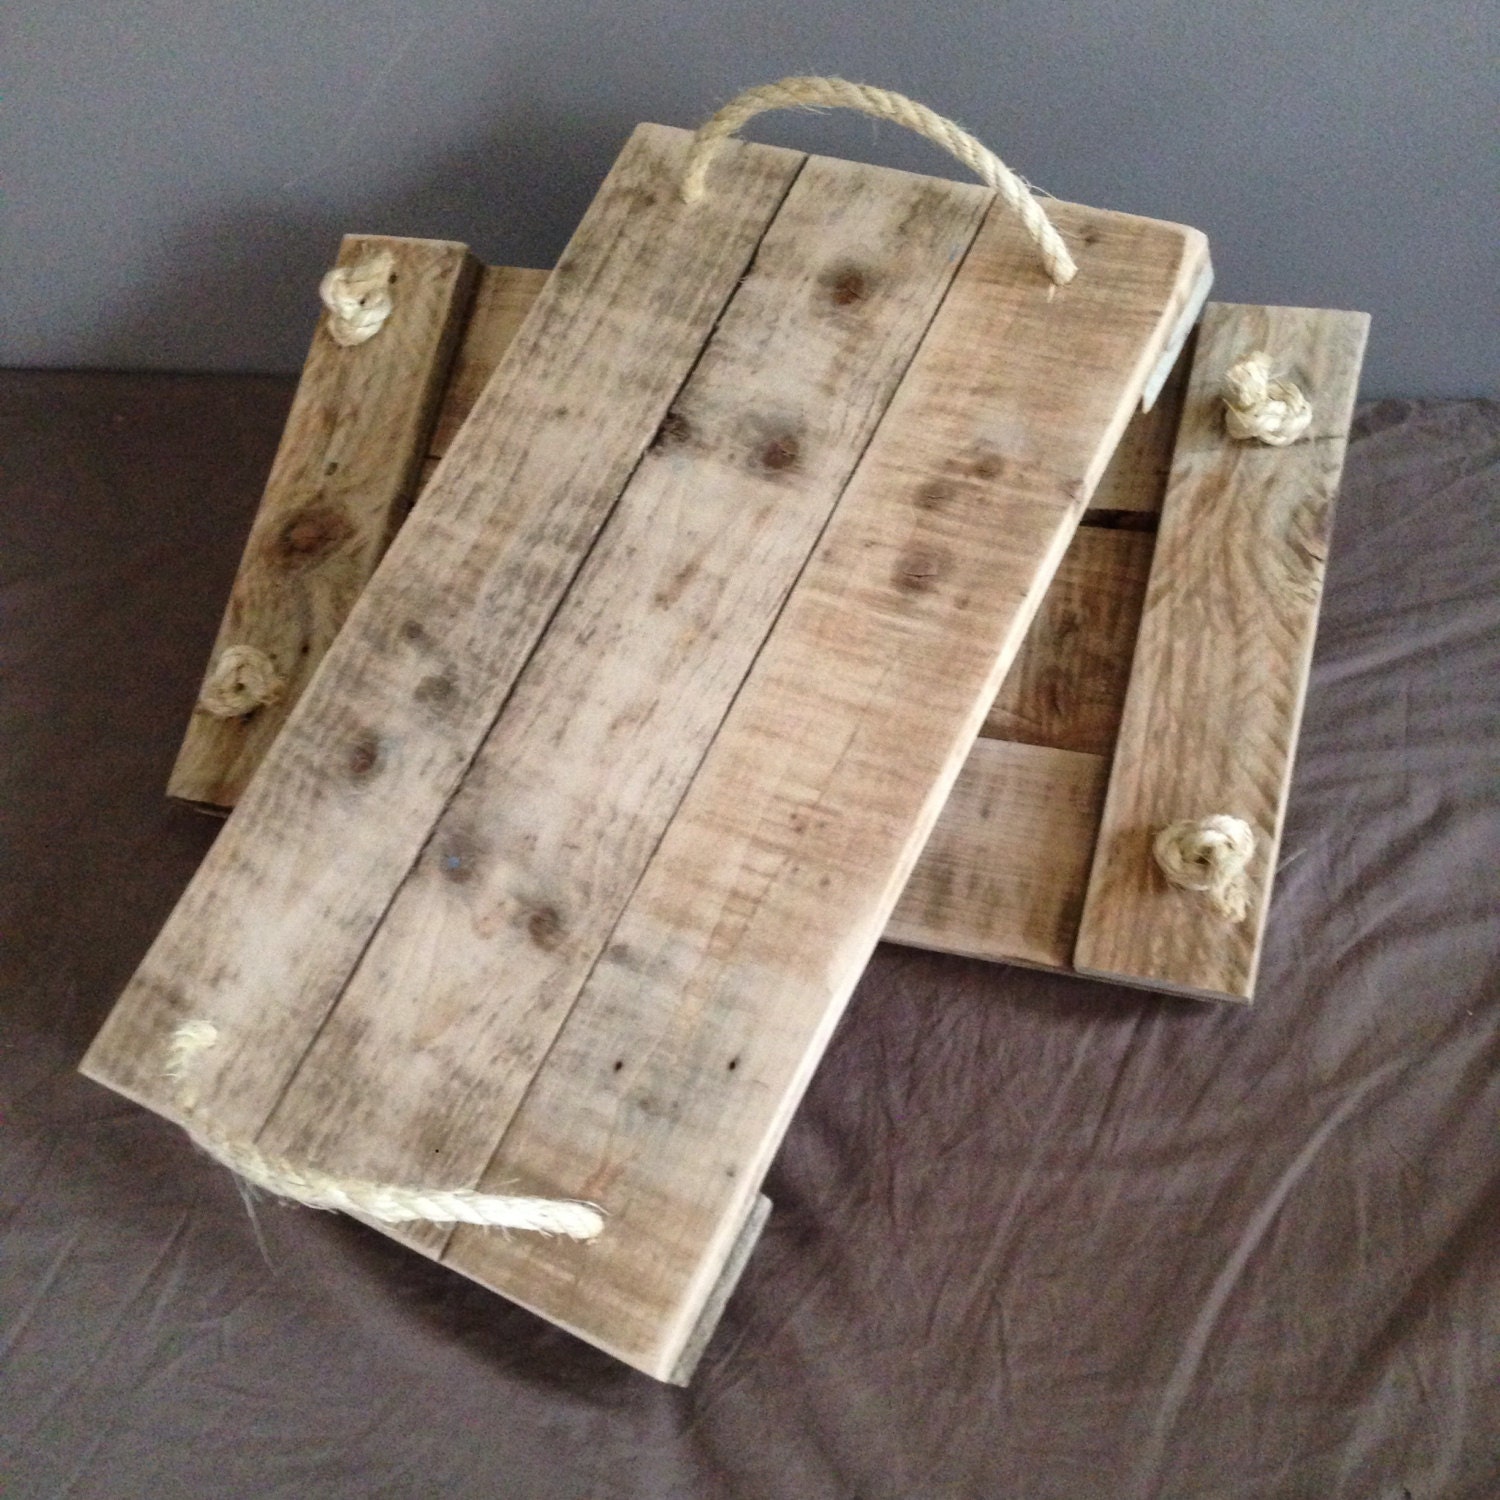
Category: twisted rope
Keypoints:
(243, 679)
(838, 93)
(358, 298)
(1258, 408)
(385, 1202)
(1209, 855)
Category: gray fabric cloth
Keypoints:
(1033, 1236)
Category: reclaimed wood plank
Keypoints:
(270, 928)
(1132, 481)
(1004, 873)
(1066, 687)
(530, 866)
(501, 302)
(347, 467)
(1136, 479)
(1222, 658)
(677, 1070)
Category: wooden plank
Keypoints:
(1132, 481)
(501, 302)
(272, 925)
(1066, 687)
(530, 866)
(1222, 658)
(348, 465)
(672, 1080)
(1136, 479)
(708, 1319)
(1004, 873)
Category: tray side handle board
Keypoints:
(1222, 659)
(346, 471)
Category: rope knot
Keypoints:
(1210, 855)
(243, 679)
(1260, 408)
(358, 298)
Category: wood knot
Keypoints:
(675, 430)
(920, 569)
(436, 690)
(312, 532)
(364, 756)
(847, 285)
(545, 927)
(780, 453)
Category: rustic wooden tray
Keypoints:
(1006, 871)
(557, 877)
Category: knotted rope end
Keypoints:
(1261, 408)
(243, 679)
(358, 298)
(1211, 856)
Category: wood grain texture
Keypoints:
(676, 1072)
(501, 302)
(528, 869)
(1004, 873)
(1132, 482)
(1222, 658)
(1066, 687)
(348, 465)
(269, 930)
(1136, 479)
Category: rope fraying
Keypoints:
(382, 1201)
(1210, 855)
(358, 298)
(243, 679)
(884, 104)
(1260, 408)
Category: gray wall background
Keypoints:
(176, 173)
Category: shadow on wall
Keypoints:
(237, 290)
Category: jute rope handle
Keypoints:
(387, 1203)
(838, 93)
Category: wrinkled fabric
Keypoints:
(1033, 1237)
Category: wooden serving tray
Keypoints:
(559, 873)
(1007, 870)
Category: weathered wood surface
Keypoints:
(1132, 482)
(1066, 687)
(529, 868)
(501, 302)
(1223, 653)
(267, 933)
(525, 618)
(1004, 873)
(1136, 479)
(349, 463)
(677, 1070)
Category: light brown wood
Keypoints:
(1066, 687)
(676, 1072)
(349, 463)
(1132, 482)
(1136, 479)
(501, 302)
(266, 935)
(524, 611)
(1004, 873)
(1222, 658)
(529, 868)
